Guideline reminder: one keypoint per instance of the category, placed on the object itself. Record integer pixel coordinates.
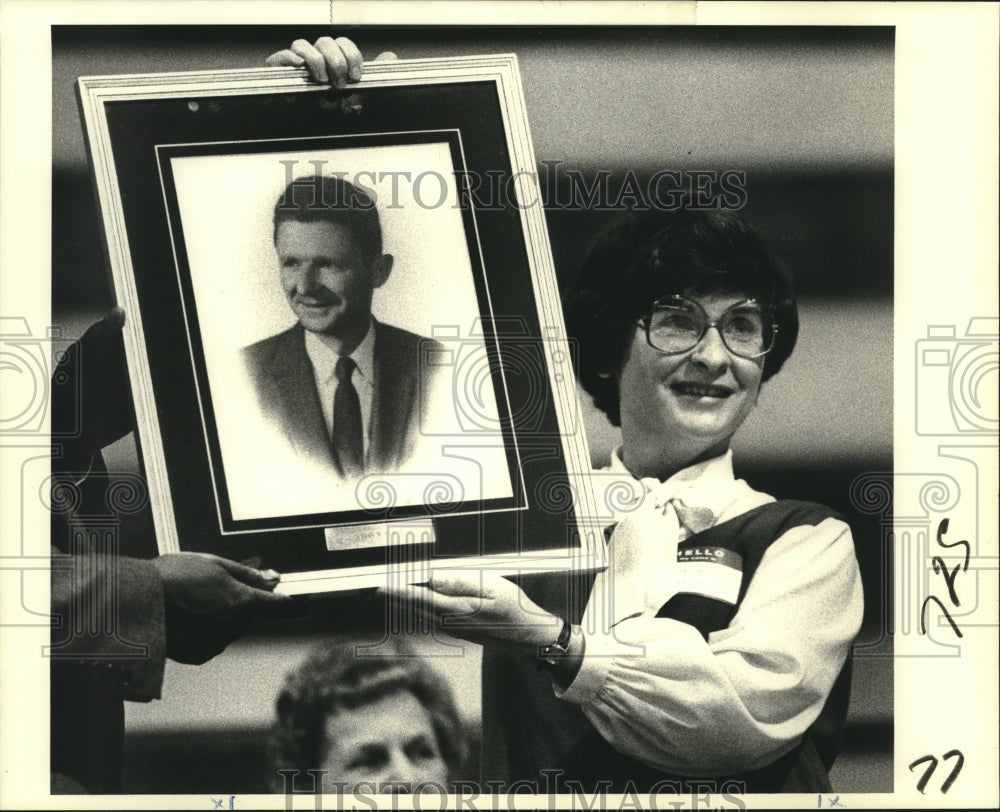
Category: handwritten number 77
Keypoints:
(933, 762)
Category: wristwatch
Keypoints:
(552, 653)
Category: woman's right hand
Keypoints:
(331, 61)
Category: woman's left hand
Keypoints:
(488, 609)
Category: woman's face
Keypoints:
(385, 746)
(680, 409)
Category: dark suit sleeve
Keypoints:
(107, 646)
(108, 623)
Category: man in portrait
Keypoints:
(345, 390)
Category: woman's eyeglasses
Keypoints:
(676, 324)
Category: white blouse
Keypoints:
(657, 690)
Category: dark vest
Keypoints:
(560, 737)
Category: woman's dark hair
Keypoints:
(337, 677)
(656, 253)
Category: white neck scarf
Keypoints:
(642, 551)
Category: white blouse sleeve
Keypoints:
(658, 692)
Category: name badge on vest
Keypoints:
(714, 572)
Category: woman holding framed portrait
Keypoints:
(713, 653)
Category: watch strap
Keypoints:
(549, 655)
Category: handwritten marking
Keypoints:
(940, 568)
(944, 611)
(933, 762)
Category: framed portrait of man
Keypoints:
(344, 333)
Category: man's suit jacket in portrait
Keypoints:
(282, 377)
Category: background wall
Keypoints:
(805, 113)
